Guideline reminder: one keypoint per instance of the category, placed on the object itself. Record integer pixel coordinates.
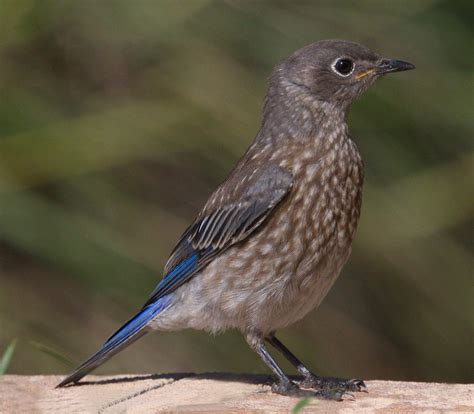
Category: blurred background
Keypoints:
(119, 118)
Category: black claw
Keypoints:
(348, 395)
(359, 385)
(283, 388)
(290, 389)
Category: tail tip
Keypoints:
(64, 382)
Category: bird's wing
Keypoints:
(232, 213)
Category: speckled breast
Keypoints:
(288, 265)
(314, 228)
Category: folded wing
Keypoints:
(232, 213)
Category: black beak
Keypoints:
(392, 65)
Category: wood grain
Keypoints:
(216, 393)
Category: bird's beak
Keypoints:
(392, 65)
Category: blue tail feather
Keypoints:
(128, 333)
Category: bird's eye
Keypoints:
(343, 66)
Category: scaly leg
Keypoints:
(285, 386)
(313, 381)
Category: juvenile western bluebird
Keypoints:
(272, 239)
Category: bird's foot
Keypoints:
(291, 389)
(335, 384)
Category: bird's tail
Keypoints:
(134, 329)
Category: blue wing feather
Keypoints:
(182, 272)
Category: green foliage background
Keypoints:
(118, 119)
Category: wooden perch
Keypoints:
(216, 393)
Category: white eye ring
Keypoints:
(345, 60)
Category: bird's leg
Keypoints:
(313, 381)
(285, 386)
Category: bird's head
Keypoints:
(335, 71)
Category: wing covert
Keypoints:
(230, 215)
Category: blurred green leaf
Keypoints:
(6, 358)
(301, 404)
(52, 353)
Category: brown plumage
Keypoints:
(274, 236)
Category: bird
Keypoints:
(272, 239)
